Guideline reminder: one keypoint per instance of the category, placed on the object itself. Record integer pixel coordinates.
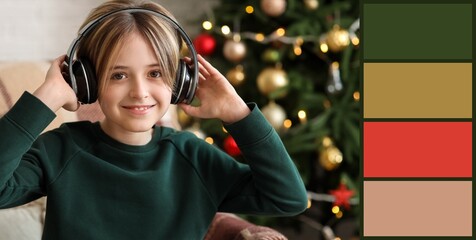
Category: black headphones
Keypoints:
(82, 75)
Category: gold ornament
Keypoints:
(273, 8)
(337, 39)
(311, 4)
(236, 75)
(275, 115)
(330, 157)
(272, 79)
(234, 50)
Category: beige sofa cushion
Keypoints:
(23, 222)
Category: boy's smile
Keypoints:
(140, 109)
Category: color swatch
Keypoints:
(417, 119)
(417, 149)
(418, 90)
(418, 31)
(417, 208)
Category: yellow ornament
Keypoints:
(236, 76)
(234, 51)
(272, 79)
(337, 39)
(275, 115)
(330, 157)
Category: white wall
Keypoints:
(43, 29)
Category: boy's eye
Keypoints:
(118, 76)
(155, 74)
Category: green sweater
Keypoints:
(170, 188)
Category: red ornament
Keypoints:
(231, 147)
(342, 195)
(204, 44)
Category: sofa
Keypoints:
(26, 222)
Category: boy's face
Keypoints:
(136, 96)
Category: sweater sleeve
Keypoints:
(274, 186)
(19, 128)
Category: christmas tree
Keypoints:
(299, 61)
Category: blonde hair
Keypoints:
(102, 44)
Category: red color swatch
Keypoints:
(417, 149)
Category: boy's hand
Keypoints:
(55, 91)
(218, 98)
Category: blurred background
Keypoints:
(297, 59)
(43, 29)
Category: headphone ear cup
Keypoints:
(86, 83)
(192, 83)
(182, 79)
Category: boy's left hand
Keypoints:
(218, 98)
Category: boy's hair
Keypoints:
(101, 46)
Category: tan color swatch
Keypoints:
(417, 208)
(417, 90)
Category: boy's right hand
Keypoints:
(55, 92)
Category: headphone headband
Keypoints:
(91, 25)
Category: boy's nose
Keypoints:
(139, 90)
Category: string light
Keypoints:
(335, 209)
(209, 140)
(259, 37)
(279, 35)
(335, 65)
(207, 25)
(225, 30)
(324, 48)
(356, 96)
(326, 142)
(302, 116)
(299, 41)
(280, 32)
(236, 37)
(287, 123)
(297, 50)
(297, 46)
(352, 29)
(249, 9)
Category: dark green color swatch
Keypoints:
(417, 31)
